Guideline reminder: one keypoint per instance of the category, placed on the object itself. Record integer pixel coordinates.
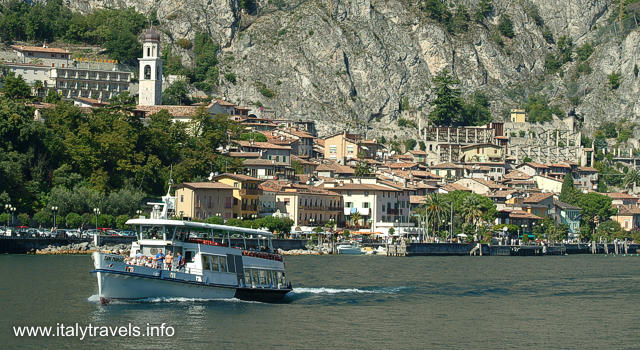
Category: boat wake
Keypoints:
(96, 299)
(323, 290)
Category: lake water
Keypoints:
(354, 302)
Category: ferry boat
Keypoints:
(218, 264)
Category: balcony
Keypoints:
(392, 211)
(247, 192)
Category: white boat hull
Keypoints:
(124, 286)
(349, 251)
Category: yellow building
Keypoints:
(518, 115)
(310, 206)
(245, 193)
(341, 147)
(482, 152)
(200, 200)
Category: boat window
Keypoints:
(254, 275)
(206, 265)
(269, 279)
(181, 233)
(263, 277)
(223, 263)
(151, 231)
(279, 277)
(214, 263)
(247, 277)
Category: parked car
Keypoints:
(73, 233)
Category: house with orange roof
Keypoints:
(548, 184)
(628, 217)
(448, 170)
(246, 193)
(378, 203)
(480, 186)
(586, 178)
(200, 200)
(310, 206)
(539, 204)
(533, 168)
(268, 150)
(622, 199)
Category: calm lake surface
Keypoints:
(353, 302)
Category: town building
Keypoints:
(310, 206)
(246, 194)
(380, 206)
(569, 215)
(628, 216)
(518, 115)
(52, 67)
(200, 200)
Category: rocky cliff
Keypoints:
(352, 62)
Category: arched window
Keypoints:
(148, 51)
(147, 72)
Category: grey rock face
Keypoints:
(352, 66)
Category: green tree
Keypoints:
(52, 97)
(632, 177)
(362, 169)
(594, 205)
(73, 220)
(176, 94)
(355, 218)
(584, 51)
(485, 9)
(24, 219)
(255, 136)
(121, 220)
(569, 194)
(461, 19)
(505, 26)
(410, 144)
(14, 87)
(615, 78)
(448, 103)
(215, 220)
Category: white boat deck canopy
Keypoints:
(200, 225)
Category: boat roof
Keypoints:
(166, 222)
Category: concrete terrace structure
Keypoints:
(98, 79)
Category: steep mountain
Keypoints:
(357, 63)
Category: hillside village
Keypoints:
(349, 181)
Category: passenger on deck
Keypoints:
(159, 259)
(168, 260)
(179, 262)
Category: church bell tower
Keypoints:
(150, 75)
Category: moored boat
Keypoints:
(349, 249)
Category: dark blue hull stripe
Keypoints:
(168, 279)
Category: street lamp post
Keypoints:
(7, 207)
(96, 211)
(13, 213)
(523, 226)
(138, 212)
(54, 209)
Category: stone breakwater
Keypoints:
(82, 248)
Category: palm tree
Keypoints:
(631, 178)
(37, 86)
(355, 218)
(472, 210)
(436, 209)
